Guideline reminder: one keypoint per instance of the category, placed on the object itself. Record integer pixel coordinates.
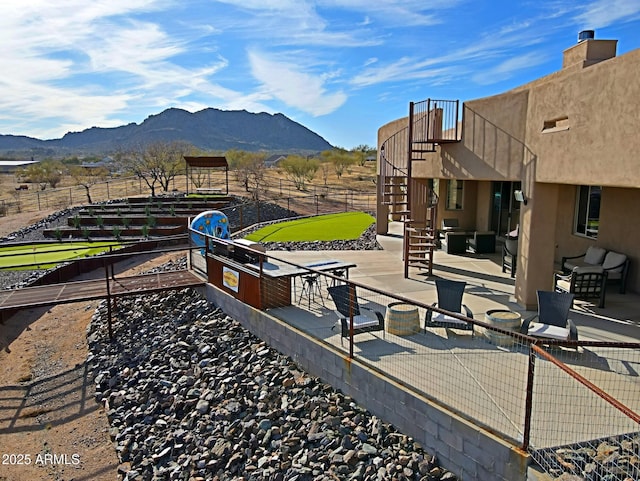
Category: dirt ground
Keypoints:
(12, 223)
(51, 428)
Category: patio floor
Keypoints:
(487, 286)
(485, 382)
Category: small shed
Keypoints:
(207, 174)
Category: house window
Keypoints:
(454, 194)
(555, 125)
(588, 210)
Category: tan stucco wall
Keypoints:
(507, 138)
(483, 206)
(601, 144)
(387, 131)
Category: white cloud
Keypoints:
(294, 87)
(507, 69)
(505, 45)
(78, 63)
(603, 13)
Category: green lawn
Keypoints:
(329, 227)
(48, 255)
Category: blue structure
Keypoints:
(212, 223)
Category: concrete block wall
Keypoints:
(460, 446)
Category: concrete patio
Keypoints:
(487, 286)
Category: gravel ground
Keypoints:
(190, 394)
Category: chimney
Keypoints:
(589, 51)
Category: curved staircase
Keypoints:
(412, 201)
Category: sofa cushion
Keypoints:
(361, 321)
(594, 255)
(444, 319)
(616, 260)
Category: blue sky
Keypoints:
(342, 68)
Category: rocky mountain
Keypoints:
(209, 129)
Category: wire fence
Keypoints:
(573, 405)
(313, 198)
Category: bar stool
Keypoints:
(311, 286)
(342, 273)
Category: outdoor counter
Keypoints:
(263, 286)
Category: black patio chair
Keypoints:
(510, 255)
(552, 318)
(450, 299)
(346, 301)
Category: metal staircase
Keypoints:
(410, 200)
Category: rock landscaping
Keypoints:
(191, 395)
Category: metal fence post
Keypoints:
(529, 399)
(352, 290)
(106, 276)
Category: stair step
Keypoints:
(419, 233)
(395, 194)
(419, 259)
(422, 151)
(424, 262)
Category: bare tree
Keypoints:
(249, 170)
(157, 164)
(88, 176)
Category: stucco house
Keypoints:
(566, 142)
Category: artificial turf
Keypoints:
(328, 227)
(45, 256)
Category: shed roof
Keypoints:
(204, 161)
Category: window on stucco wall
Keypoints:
(588, 210)
(455, 190)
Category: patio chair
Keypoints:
(346, 300)
(510, 255)
(450, 299)
(450, 225)
(483, 242)
(583, 283)
(552, 318)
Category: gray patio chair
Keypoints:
(346, 301)
(450, 299)
(583, 283)
(552, 320)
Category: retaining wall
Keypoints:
(460, 446)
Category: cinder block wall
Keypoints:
(460, 446)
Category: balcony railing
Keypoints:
(433, 122)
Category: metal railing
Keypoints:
(434, 121)
(565, 402)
